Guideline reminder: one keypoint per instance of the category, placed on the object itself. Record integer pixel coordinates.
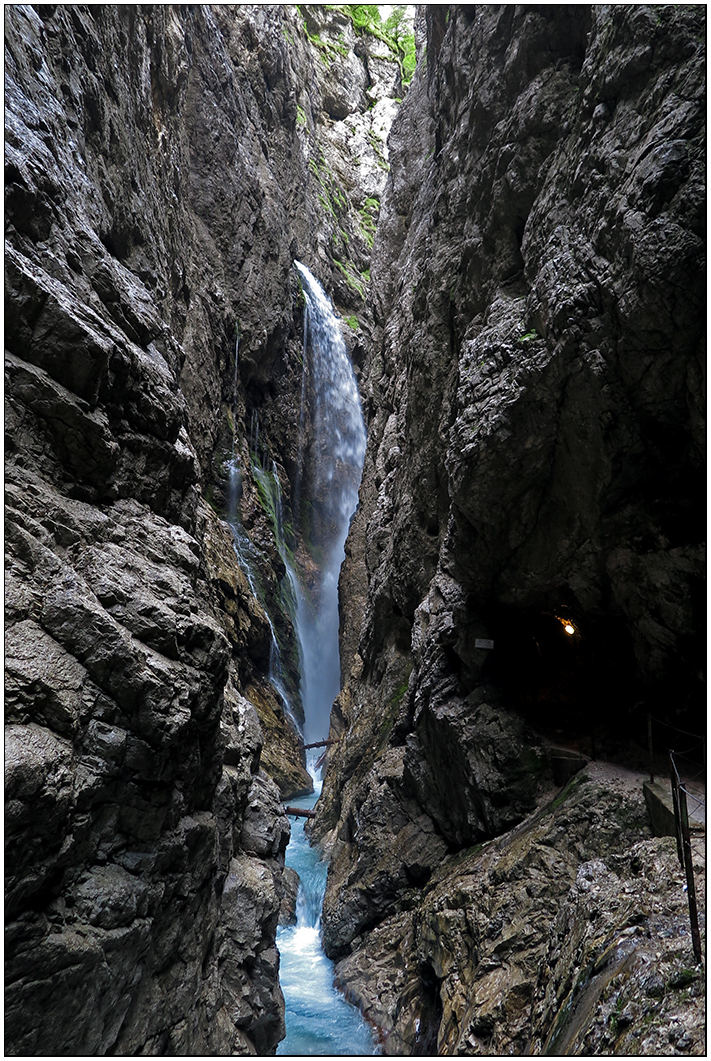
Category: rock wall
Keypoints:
(164, 165)
(533, 478)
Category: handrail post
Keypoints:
(674, 776)
(690, 886)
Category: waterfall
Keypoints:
(335, 463)
(234, 395)
(331, 449)
(302, 416)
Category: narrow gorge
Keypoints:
(354, 396)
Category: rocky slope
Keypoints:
(533, 478)
(163, 168)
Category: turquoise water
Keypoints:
(319, 1021)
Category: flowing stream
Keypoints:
(319, 1021)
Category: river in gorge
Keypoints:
(332, 440)
(319, 1021)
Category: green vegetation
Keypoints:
(353, 279)
(683, 978)
(367, 217)
(327, 204)
(400, 693)
(352, 322)
(300, 115)
(395, 31)
(332, 196)
(529, 336)
(329, 51)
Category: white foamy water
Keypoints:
(319, 1021)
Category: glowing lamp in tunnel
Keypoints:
(569, 629)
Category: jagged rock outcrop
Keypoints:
(535, 942)
(534, 464)
(157, 190)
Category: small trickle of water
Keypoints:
(248, 557)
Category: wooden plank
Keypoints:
(299, 813)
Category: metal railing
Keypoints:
(688, 845)
(680, 796)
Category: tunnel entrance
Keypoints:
(568, 674)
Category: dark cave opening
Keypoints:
(568, 674)
(574, 678)
(431, 1010)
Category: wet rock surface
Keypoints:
(533, 942)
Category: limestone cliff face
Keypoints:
(534, 463)
(157, 190)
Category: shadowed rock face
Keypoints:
(535, 449)
(163, 169)
(144, 848)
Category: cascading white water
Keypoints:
(302, 417)
(336, 462)
(319, 1021)
(318, 1018)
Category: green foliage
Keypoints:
(365, 17)
(400, 693)
(394, 31)
(354, 280)
(333, 198)
(397, 28)
(328, 49)
(326, 203)
(529, 336)
(352, 322)
(409, 59)
(367, 227)
(300, 115)
(367, 218)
